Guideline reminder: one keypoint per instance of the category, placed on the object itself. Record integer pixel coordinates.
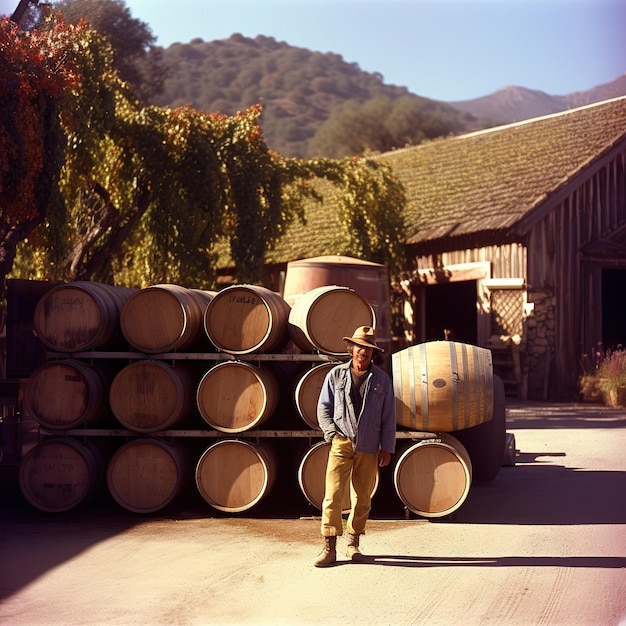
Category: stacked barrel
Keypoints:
(150, 390)
(153, 391)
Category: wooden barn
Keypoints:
(516, 241)
(517, 237)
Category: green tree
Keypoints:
(136, 56)
(381, 124)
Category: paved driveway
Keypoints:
(543, 543)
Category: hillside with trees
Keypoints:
(311, 100)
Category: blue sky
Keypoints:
(441, 49)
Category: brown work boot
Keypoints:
(353, 552)
(328, 555)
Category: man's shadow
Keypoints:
(397, 560)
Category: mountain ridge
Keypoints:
(303, 92)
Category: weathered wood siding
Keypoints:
(564, 287)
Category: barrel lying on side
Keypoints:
(433, 477)
(242, 319)
(442, 386)
(486, 442)
(236, 396)
(81, 315)
(147, 474)
(60, 473)
(308, 390)
(164, 317)
(67, 393)
(233, 476)
(320, 318)
(149, 395)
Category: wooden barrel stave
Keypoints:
(308, 390)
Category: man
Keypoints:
(356, 413)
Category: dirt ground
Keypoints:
(543, 543)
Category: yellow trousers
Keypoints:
(345, 464)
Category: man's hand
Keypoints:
(384, 458)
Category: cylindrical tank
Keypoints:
(369, 280)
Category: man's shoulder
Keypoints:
(380, 373)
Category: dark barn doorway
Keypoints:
(452, 307)
(613, 307)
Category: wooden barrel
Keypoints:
(320, 318)
(308, 390)
(67, 393)
(243, 319)
(236, 396)
(148, 396)
(369, 280)
(486, 443)
(433, 477)
(233, 475)
(312, 476)
(145, 475)
(442, 386)
(82, 315)
(60, 473)
(164, 317)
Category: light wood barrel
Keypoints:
(145, 475)
(312, 476)
(442, 386)
(308, 390)
(60, 473)
(486, 443)
(433, 477)
(148, 396)
(234, 476)
(79, 316)
(320, 318)
(243, 319)
(164, 317)
(236, 396)
(67, 393)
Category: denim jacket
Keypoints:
(374, 429)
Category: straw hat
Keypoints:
(364, 336)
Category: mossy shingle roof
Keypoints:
(489, 180)
(482, 182)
